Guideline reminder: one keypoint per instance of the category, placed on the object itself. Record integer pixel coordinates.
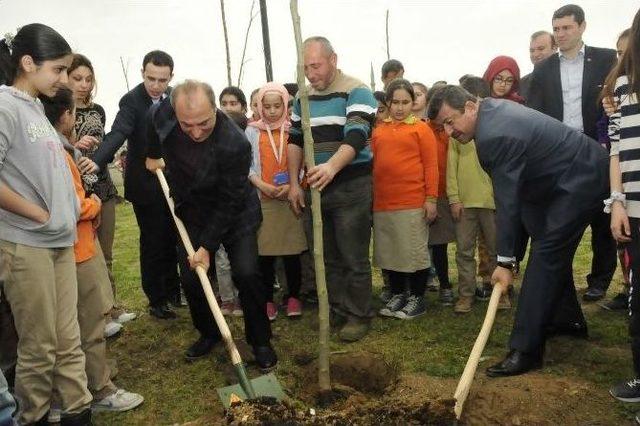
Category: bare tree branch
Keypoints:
(246, 39)
(124, 71)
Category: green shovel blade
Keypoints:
(266, 385)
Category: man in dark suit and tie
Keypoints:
(566, 86)
(552, 179)
(158, 258)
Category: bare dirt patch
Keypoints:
(536, 398)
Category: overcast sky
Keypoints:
(436, 40)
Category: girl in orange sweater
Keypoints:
(405, 191)
(95, 298)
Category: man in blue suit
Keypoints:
(552, 179)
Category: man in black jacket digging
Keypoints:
(208, 159)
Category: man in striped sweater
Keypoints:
(342, 113)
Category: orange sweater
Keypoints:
(405, 165)
(443, 146)
(84, 248)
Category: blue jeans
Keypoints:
(7, 403)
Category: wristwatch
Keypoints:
(507, 265)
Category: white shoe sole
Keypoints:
(135, 403)
(126, 317)
(402, 315)
(637, 399)
(387, 313)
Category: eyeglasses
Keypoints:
(506, 81)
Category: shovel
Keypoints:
(462, 391)
(264, 386)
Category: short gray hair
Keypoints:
(191, 87)
(542, 33)
(326, 44)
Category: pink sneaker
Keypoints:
(272, 311)
(294, 307)
(227, 307)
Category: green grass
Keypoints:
(150, 352)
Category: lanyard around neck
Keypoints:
(277, 152)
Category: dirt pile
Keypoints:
(363, 394)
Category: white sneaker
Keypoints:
(125, 317)
(121, 400)
(112, 329)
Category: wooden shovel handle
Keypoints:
(202, 274)
(462, 391)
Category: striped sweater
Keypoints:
(343, 113)
(624, 132)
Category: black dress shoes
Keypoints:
(516, 363)
(575, 329)
(200, 348)
(593, 294)
(266, 358)
(162, 311)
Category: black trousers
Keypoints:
(417, 281)
(633, 248)
(440, 261)
(603, 246)
(548, 295)
(243, 257)
(292, 270)
(158, 259)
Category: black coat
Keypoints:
(539, 164)
(140, 186)
(545, 87)
(218, 199)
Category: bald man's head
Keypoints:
(195, 106)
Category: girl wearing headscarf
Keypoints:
(281, 233)
(503, 76)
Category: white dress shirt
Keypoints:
(571, 72)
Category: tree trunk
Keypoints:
(324, 378)
(266, 44)
(226, 42)
(387, 33)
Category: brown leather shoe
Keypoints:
(463, 305)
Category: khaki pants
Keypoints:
(485, 263)
(41, 288)
(472, 222)
(106, 232)
(95, 300)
